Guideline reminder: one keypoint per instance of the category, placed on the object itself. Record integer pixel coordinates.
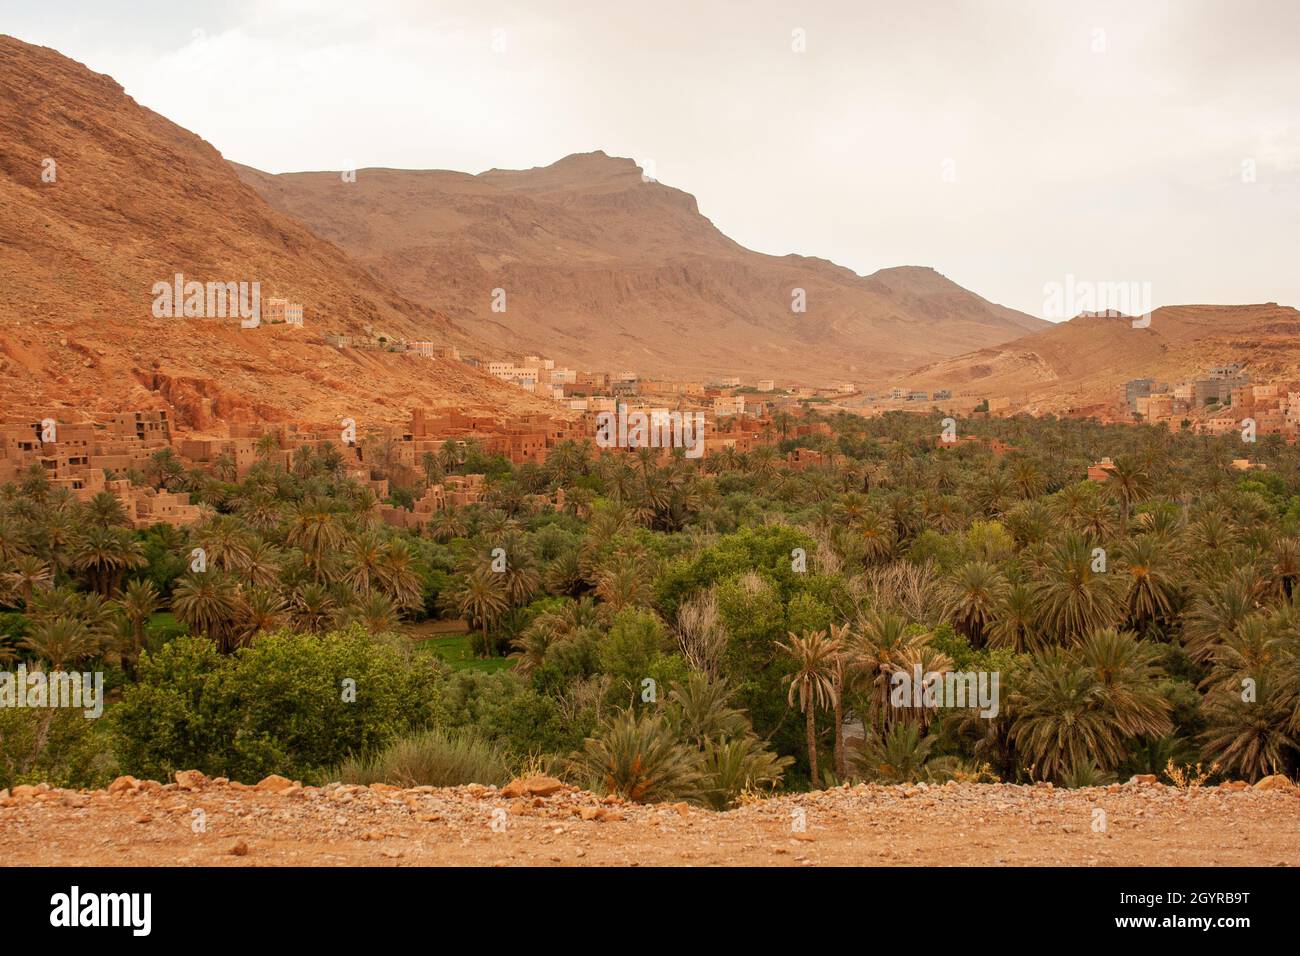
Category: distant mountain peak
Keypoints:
(603, 266)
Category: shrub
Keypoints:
(640, 759)
(901, 755)
(638, 648)
(504, 710)
(431, 758)
(280, 706)
(736, 765)
(1085, 774)
(55, 746)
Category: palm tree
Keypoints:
(1073, 599)
(625, 584)
(313, 608)
(1027, 477)
(877, 536)
(762, 462)
(261, 511)
(318, 531)
(60, 641)
(1217, 611)
(264, 611)
(28, 575)
(900, 755)
(363, 563)
(226, 542)
(104, 555)
(1286, 565)
(210, 604)
(1152, 590)
(551, 628)
(1014, 624)
(701, 709)
(375, 612)
(12, 540)
(811, 681)
(994, 493)
(972, 599)
(1127, 681)
(225, 467)
(431, 468)
(732, 766)
(165, 469)
(262, 565)
(520, 577)
(329, 461)
(138, 603)
(881, 643)
(1058, 722)
(1211, 531)
(267, 445)
(1083, 705)
(1250, 738)
(446, 525)
(104, 510)
(303, 460)
(1029, 522)
(449, 456)
(1128, 483)
(563, 576)
(479, 596)
(495, 523)
(845, 670)
(398, 578)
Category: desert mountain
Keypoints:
(101, 198)
(1082, 363)
(603, 269)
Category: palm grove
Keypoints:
(701, 630)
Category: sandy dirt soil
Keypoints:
(216, 823)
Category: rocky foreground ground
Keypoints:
(541, 822)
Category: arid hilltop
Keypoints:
(601, 267)
(101, 198)
(1084, 362)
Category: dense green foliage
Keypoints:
(694, 630)
(283, 705)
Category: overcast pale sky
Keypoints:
(1006, 143)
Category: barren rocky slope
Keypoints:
(1085, 361)
(101, 198)
(602, 268)
(541, 822)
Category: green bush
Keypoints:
(55, 746)
(638, 649)
(279, 706)
(431, 758)
(503, 709)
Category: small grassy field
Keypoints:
(449, 640)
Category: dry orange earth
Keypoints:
(952, 825)
(132, 199)
(1083, 364)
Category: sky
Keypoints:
(1017, 146)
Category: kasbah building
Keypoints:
(89, 457)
